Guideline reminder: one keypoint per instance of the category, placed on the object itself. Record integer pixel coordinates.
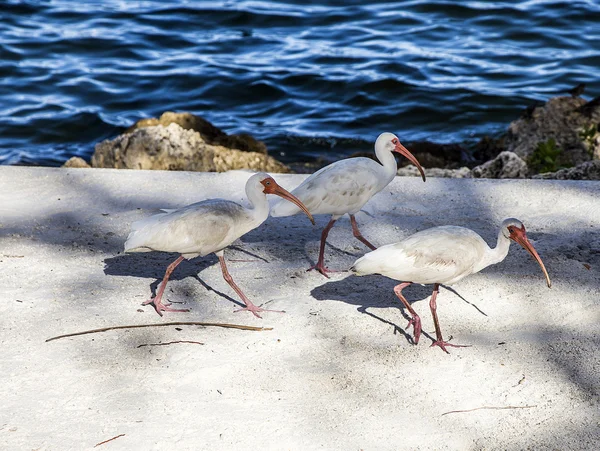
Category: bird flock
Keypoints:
(439, 255)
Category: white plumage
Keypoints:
(346, 186)
(441, 255)
(342, 187)
(203, 228)
(195, 230)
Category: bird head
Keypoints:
(514, 230)
(270, 186)
(391, 143)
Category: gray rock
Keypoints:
(412, 171)
(210, 133)
(507, 165)
(564, 120)
(76, 162)
(178, 149)
(590, 170)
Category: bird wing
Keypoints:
(437, 255)
(199, 228)
(342, 187)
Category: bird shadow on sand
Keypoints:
(377, 292)
(152, 266)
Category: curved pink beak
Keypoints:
(519, 236)
(274, 188)
(404, 152)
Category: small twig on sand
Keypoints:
(169, 343)
(175, 323)
(106, 441)
(488, 408)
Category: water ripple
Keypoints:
(288, 72)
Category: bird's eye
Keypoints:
(268, 182)
(394, 141)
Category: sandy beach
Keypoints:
(338, 370)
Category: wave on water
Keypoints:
(292, 73)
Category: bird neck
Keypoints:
(387, 160)
(497, 254)
(259, 205)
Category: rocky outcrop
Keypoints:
(412, 171)
(175, 148)
(567, 121)
(210, 134)
(590, 170)
(507, 165)
(76, 162)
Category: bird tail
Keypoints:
(365, 265)
(358, 267)
(138, 237)
(284, 208)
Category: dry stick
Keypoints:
(106, 441)
(169, 343)
(488, 408)
(176, 323)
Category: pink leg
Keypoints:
(157, 300)
(320, 266)
(249, 305)
(439, 341)
(358, 235)
(415, 321)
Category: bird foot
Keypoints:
(322, 269)
(254, 309)
(160, 307)
(415, 321)
(442, 344)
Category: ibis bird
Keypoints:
(441, 255)
(206, 227)
(345, 187)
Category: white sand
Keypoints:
(337, 371)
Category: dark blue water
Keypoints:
(75, 72)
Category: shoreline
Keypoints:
(557, 139)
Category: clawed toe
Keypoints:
(322, 269)
(256, 309)
(160, 307)
(442, 344)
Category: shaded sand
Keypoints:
(338, 370)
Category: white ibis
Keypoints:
(345, 187)
(206, 227)
(441, 255)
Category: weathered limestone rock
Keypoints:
(76, 162)
(412, 171)
(488, 148)
(210, 134)
(567, 120)
(590, 170)
(174, 148)
(507, 165)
